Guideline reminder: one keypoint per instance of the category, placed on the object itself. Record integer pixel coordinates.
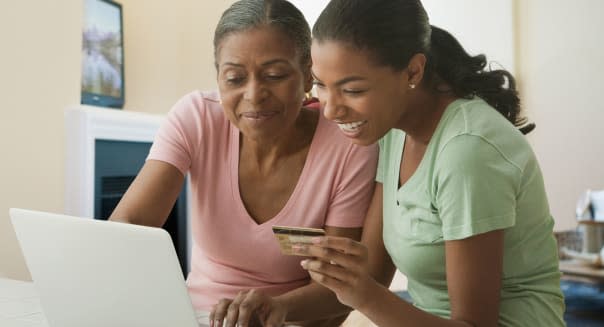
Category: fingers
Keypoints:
(232, 315)
(340, 244)
(242, 311)
(252, 301)
(327, 269)
(336, 250)
(219, 312)
(332, 283)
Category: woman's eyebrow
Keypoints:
(266, 63)
(344, 80)
(234, 64)
(275, 61)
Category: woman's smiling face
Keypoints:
(261, 81)
(365, 99)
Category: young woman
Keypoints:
(256, 157)
(460, 207)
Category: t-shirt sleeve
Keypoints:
(379, 175)
(475, 188)
(354, 189)
(174, 140)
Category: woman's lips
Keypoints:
(352, 129)
(258, 114)
(259, 117)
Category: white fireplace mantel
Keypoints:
(83, 126)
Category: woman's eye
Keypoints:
(354, 91)
(318, 84)
(275, 77)
(234, 80)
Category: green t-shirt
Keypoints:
(478, 174)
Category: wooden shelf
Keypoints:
(591, 222)
(576, 268)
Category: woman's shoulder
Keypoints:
(476, 117)
(472, 125)
(199, 101)
(198, 107)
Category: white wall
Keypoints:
(310, 9)
(561, 68)
(481, 26)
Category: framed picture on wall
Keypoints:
(103, 54)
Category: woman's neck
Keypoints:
(425, 112)
(267, 154)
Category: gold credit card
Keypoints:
(287, 235)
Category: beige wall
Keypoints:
(39, 65)
(168, 50)
(560, 69)
(168, 53)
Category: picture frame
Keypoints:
(102, 82)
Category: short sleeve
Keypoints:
(355, 187)
(175, 138)
(474, 187)
(379, 175)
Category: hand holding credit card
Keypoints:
(287, 236)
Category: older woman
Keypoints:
(256, 158)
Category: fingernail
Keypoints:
(298, 247)
(303, 263)
(317, 240)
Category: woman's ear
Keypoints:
(416, 69)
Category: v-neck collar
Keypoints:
(234, 175)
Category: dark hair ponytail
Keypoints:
(392, 31)
(467, 76)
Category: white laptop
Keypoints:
(97, 273)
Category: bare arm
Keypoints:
(474, 269)
(381, 267)
(474, 278)
(318, 301)
(151, 195)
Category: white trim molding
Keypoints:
(83, 126)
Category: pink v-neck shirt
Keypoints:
(231, 252)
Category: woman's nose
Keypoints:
(332, 109)
(255, 92)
